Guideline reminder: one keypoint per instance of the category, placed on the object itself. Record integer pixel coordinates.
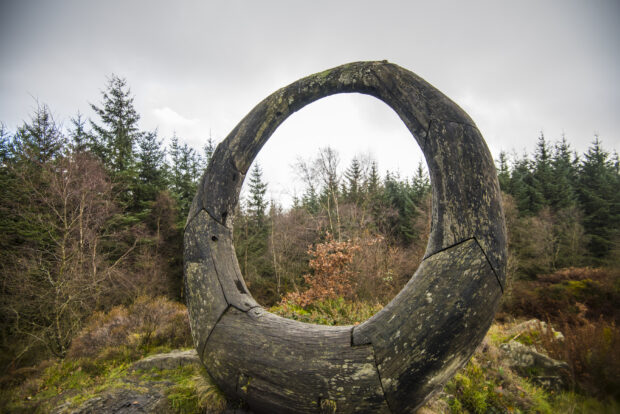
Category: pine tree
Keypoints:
(563, 176)
(41, 140)
(373, 181)
(78, 135)
(420, 184)
(5, 145)
(114, 140)
(543, 179)
(184, 174)
(117, 136)
(257, 204)
(524, 187)
(151, 168)
(209, 148)
(599, 196)
(354, 177)
(398, 198)
(310, 200)
(503, 172)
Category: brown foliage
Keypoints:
(145, 323)
(332, 277)
(583, 304)
(560, 296)
(592, 351)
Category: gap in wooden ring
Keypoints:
(353, 124)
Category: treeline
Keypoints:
(91, 216)
(562, 208)
(384, 220)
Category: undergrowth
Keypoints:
(101, 355)
(100, 359)
(328, 311)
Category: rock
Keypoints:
(134, 395)
(170, 360)
(124, 401)
(541, 369)
(534, 325)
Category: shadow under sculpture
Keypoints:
(395, 360)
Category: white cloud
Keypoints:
(170, 118)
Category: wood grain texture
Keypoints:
(395, 360)
(426, 333)
(283, 366)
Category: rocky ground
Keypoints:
(504, 349)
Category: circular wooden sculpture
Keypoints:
(395, 360)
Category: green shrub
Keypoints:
(328, 311)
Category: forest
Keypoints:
(91, 239)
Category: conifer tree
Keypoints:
(503, 172)
(398, 197)
(41, 140)
(184, 174)
(209, 148)
(420, 184)
(78, 135)
(310, 200)
(354, 177)
(542, 174)
(599, 196)
(116, 137)
(563, 175)
(373, 180)
(257, 203)
(524, 187)
(151, 168)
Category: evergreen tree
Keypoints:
(115, 138)
(252, 230)
(184, 174)
(543, 178)
(151, 168)
(599, 196)
(209, 148)
(374, 195)
(41, 140)
(353, 181)
(524, 187)
(5, 145)
(563, 176)
(257, 204)
(503, 172)
(310, 200)
(398, 197)
(421, 184)
(78, 135)
(373, 180)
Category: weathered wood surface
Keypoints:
(396, 359)
(279, 365)
(426, 333)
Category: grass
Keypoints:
(328, 311)
(100, 360)
(485, 385)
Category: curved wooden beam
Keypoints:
(395, 360)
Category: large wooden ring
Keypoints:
(396, 359)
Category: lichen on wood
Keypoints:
(395, 360)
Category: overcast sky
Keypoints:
(518, 68)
